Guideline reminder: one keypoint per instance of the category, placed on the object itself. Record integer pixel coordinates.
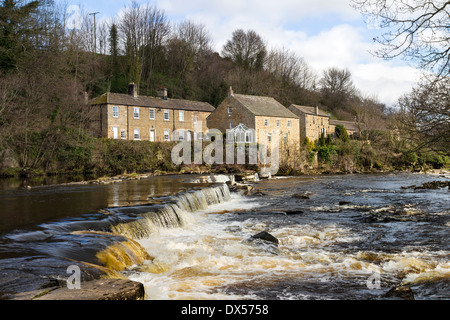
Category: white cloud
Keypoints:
(384, 81)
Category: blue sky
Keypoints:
(325, 33)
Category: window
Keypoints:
(278, 123)
(195, 119)
(115, 111)
(266, 122)
(136, 113)
(180, 135)
(123, 135)
(289, 123)
(231, 125)
(269, 137)
(285, 138)
(321, 121)
(230, 110)
(166, 115)
(166, 135)
(181, 116)
(152, 114)
(137, 134)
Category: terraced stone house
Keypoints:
(134, 117)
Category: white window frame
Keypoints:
(166, 135)
(230, 110)
(150, 113)
(166, 112)
(278, 123)
(289, 123)
(136, 112)
(195, 119)
(269, 137)
(123, 135)
(137, 134)
(266, 122)
(115, 111)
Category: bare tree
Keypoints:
(336, 87)
(144, 30)
(418, 30)
(290, 68)
(425, 114)
(195, 36)
(246, 49)
(189, 44)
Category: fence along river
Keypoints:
(345, 237)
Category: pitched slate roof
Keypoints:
(349, 125)
(263, 106)
(310, 110)
(144, 101)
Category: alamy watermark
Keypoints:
(74, 281)
(262, 149)
(374, 281)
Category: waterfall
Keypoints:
(175, 214)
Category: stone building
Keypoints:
(313, 122)
(133, 117)
(264, 116)
(351, 127)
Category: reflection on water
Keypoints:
(22, 206)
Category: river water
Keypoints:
(339, 237)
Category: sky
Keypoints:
(326, 33)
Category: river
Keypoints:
(343, 237)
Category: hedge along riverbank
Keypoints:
(92, 156)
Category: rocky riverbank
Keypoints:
(101, 289)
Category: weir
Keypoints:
(175, 214)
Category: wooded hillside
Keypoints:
(48, 72)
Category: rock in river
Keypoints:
(263, 235)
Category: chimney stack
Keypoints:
(162, 93)
(317, 110)
(132, 90)
(230, 92)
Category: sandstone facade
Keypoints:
(132, 117)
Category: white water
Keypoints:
(209, 254)
(329, 252)
(192, 260)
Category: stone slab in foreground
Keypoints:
(102, 289)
